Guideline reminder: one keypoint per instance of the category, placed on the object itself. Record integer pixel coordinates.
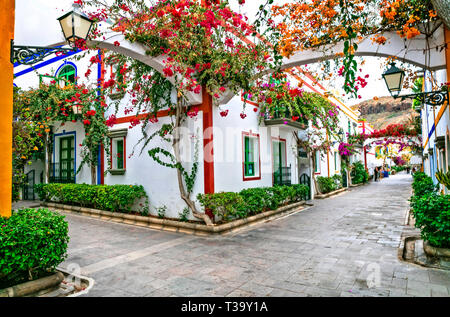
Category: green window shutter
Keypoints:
(67, 73)
(249, 164)
(120, 158)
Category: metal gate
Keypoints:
(306, 180)
(28, 187)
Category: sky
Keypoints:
(36, 25)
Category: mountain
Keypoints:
(383, 111)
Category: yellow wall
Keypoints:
(7, 8)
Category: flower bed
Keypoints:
(32, 243)
(115, 198)
(230, 206)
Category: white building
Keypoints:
(234, 153)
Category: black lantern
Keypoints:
(394, 79)
(394, 82)
(75, 25)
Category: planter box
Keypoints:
(436, 252)
(33, 288)
(323, 196)
(179, 226)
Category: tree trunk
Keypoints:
(176, 147)
(48, 147)
(316, 185)
(93, 174)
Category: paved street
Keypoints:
(342, 246)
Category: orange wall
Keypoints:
(7, 8)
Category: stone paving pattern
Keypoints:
(345, 245)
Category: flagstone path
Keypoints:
(345, 245)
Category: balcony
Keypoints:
(60, 173)
(282, 176)
(283, 117)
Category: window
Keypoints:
(251, 159)
(67, 75)
(118, 151)
(317, 162)
(335, 161)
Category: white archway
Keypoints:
(423, 51)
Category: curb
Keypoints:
(323, 196)
(176, 226)
(33, 287)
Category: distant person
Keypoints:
(408, 169)
(413, 171)
(375, 173)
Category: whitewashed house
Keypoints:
(234, 153)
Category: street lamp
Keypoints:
(75, 26)
(393, 78)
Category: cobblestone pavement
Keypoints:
(345, 245)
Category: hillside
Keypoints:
(385, 111)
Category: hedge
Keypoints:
(251, 201)
(431, 211)
(432, 216)
(32, 243)
(115, 198)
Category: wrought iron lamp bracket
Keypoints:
(433, 98)
(29, 55)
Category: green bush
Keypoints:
(359, 174)
(326, 184)
(337, 178)
(224, 204)
(423, 184)
(252, 201)
(32, 243)
(116, 198)
(432, 214)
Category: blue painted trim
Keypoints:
(99, 76)
(64, 133)
(65, 64)
(48, 62)
(99, 162)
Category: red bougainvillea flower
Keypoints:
(269, 100)
(116, 43)
(243, 115)
(224, 113)
(168, 72)
(86, 122)
(295, 118)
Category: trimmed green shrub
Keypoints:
(337, 178)
(423, 184)
(326, 184)
(224, 204)
(116, 198)
(432, 214)
(251, 201)
(359, 174)
(32, 243)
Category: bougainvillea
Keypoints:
(50, 104)
(316, 24)
(205, 45)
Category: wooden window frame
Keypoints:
(257, 160)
